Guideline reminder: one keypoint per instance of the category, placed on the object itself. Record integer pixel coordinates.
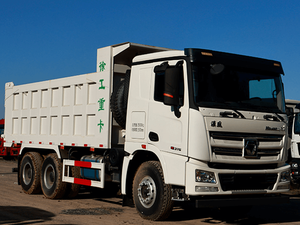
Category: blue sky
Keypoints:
(42, 40)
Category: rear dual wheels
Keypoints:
(38, 176)
(51, 177)
(152, 197)
(30, 172)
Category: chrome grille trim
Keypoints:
(232, 144)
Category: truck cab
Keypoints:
(224, 131)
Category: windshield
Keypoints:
(231, 87)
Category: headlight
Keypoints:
(285, 176)
(294, 165)
(205, 177)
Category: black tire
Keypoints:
(117, 104)
(72, 190)
(30, 172)
(151, 196)
(51, 177)
(116, 157)
(118, 101)
(126, 90)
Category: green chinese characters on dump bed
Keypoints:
(101, 124)
(102, 66)
(101, 100)
(101, 104)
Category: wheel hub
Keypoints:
(27, 173)
(147, 192)
(49, 176)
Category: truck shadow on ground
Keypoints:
(101, 195)
(283, 213)
(23, 215)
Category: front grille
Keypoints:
(232, 144)
(244, 182)
(239, 152)
(231, 166)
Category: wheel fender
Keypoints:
(128, 159)
(54, 148)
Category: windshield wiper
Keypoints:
(280, 117)
(235, 114)
(274, 118)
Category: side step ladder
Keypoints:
(67, 164)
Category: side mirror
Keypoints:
(171, 91)
(289, 111)
(217, 69)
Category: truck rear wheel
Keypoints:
(30, 172)
(152, 197)
(51, 177)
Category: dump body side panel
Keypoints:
(70, 111)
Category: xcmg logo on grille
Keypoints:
(250, 148)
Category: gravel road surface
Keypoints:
(92, 206)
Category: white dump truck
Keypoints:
(164, 125)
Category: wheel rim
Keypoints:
(27, 173)
(49, 176)
(147, 192)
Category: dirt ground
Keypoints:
(92, 207)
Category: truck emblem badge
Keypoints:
(276, 128)
(214, 123)
(250, 148)
(175, 148)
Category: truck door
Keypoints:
(168, 124)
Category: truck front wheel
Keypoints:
(51, 177)
(30, 170)
(152, 197)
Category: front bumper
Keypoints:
(236, 181)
